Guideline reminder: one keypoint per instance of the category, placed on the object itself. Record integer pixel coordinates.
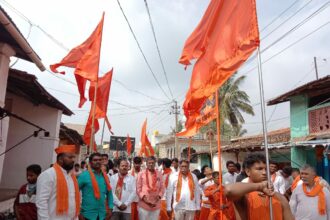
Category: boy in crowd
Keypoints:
(24, 205)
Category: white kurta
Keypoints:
(229, 178)
(128, 194)
(205, 200)
(281, 184)
(306, 208)
(185, 203)
(46, 196)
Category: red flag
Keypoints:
(146, 147)
(128, 145)
(102, 98)
(224, 39)
(85, 59)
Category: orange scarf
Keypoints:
(317, 191)
(119, 186)
(95, 185)
(167, 171)
(152, 188)
(295, 183)
(62, 192)
(273, 177)
(179, 186)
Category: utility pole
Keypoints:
(316, 72)
(176, 112)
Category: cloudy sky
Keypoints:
(53, 27)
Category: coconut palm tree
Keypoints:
(232, 103)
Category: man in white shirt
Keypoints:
(231, 175)
(137, 162)
(175, 165)
(124, 192)
(49, 188)
(185, 193)
(283, 180)
(305, 200)
(204, 183)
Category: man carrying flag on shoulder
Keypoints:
(58, 195)
(214, 192)
(95, 188)
(185, 193)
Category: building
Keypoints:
(309, 124)
(31, 122)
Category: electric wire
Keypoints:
(158, 50)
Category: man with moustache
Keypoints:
(58, 196)
(150, 189)
(137, 162)
(310, 200)
(96, 191)
(124, 192)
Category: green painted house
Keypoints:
(309, 124)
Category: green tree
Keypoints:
(232, 103)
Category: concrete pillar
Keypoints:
(5, 53)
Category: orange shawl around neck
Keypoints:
(96, 188)
(295, 183)
(153, 187)
(191, 186)
(62, 192)
(167, 171)
(317, 191)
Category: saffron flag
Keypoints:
(146, 147)
(85, 59)
(128, 145)
(101, 105)
(205, 116)
(223, 40)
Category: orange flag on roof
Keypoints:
(85, 59)
(224, 39)
(128, 145)
(146, 147)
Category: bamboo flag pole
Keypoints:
(264, 127)
(219, 149)
(95, 91)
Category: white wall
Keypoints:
(4, 124)
(38, 150)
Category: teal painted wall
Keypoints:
(299, 116)
(205, 160)
(299, 127)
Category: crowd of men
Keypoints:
(164, 189)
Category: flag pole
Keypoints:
(219, 148)
(95, 91)
(102, 135)
(264, 127)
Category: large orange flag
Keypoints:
(128, 145)
(85, 58)
(101, 106)
(146, 147)
(224, 39)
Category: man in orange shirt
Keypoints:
(213, 193)
(251, 200)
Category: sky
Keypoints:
(58, 26)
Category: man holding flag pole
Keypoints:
(223, 40)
